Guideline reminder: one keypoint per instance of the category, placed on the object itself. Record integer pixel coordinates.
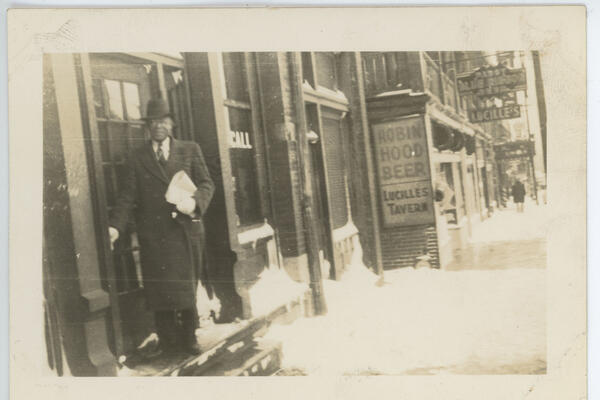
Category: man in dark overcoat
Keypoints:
(171, 236)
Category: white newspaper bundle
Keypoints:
(180, 188)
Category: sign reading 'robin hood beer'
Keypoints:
(406, 196)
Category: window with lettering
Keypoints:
(242, 143)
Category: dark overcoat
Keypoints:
(171, 248)
(518, 192)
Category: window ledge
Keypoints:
(255, 233)
(397, 93)
(332, 98)
(344, 232)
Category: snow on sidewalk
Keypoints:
(507, 224)
(431, 321)
(423, 321)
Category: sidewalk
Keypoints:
(509, 225)
(506, 240)
(428, 321)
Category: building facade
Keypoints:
(315, 156)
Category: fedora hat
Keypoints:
(156, 109)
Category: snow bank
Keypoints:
(357, 273)
(424, 321)
(273, 289)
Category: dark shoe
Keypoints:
(154, 353)
(151, 348)
(161, 350)
(192, 349)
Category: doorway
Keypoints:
(321, 213)
(120, 89)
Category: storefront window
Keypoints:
(243, 167)
(242, 143)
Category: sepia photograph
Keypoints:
(343, 211)
(236, 213)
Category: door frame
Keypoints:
(99, 202)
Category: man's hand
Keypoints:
(187, 206)
(113, 233)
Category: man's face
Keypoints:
(160, 128)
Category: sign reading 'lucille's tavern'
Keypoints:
(403, 167)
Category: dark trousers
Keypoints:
(176, 328)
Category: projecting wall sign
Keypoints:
(492, 81)
(511, 150)
(499, 82)
(401, 152)
(495, 113)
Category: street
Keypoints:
(482, 314)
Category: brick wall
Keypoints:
(282, 148)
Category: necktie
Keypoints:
(160, 156)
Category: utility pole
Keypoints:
(311, 233)
(531, 143)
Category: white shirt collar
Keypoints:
(166, 146)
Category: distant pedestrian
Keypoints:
(518, 193)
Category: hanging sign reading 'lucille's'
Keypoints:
(406, 196)
(499, 82)
(508, 111)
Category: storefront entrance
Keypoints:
(121, 86)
